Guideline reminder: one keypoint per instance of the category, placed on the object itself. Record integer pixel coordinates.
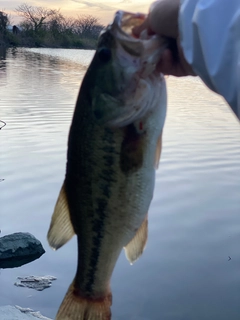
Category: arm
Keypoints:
(207, 34)
(210, 38)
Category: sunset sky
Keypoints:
(103, 10)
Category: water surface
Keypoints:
(191, 266)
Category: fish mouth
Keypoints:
(121, 29)
(125, 21)
(137, 58)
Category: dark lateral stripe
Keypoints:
(106, 177)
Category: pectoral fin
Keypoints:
(158, 151)
(61, 229)
(135, 247)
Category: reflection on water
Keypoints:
(2, 65)
(191, 266)
(12, 263)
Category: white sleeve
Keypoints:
(210, 38)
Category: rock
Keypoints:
(18, 313)
(19, 248)
(33, 282)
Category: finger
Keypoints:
(138, 29)
(165, 63)
(144, 26)
(168, 66)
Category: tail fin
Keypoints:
(75, 307)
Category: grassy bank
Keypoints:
(47, 40)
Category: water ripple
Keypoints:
(194, 220)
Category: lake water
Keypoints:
(191, 266)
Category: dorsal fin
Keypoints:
(61, 229)
(135, 247)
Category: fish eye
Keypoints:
(104, 54)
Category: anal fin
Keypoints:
(136, 246)
(61, 229)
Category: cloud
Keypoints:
(96, 5)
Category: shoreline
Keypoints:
(4, 47)
(9, 312)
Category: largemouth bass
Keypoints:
(113, 150)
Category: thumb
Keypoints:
(144, 26)
(163, 17)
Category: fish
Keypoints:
(114, 147)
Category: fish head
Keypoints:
(124, 72)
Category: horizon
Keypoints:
(104, 10)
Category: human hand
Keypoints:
(163, 20)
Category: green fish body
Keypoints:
(113, 150)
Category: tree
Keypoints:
(88, 26)
(4, 20)
(55, 23)
(35, 16)
(69, 25)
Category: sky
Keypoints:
(104, 10)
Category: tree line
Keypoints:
(43, 27)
